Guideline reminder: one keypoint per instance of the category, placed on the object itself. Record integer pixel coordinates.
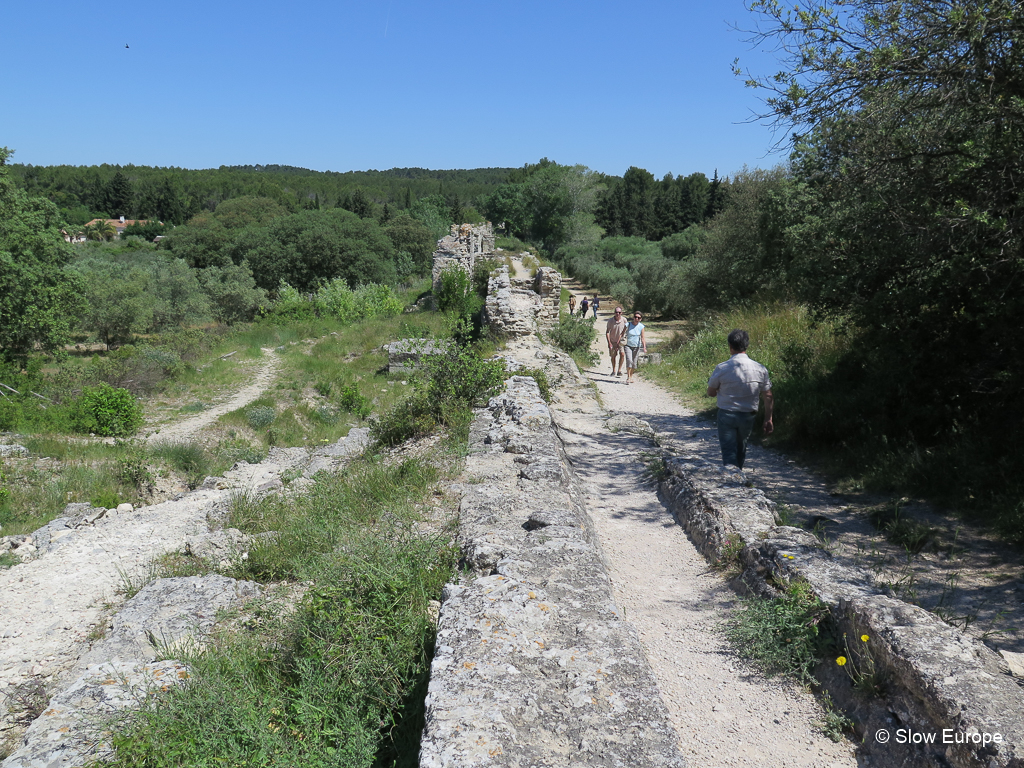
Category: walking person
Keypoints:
(739, 383)
(572, 304)
(615, 334)
(584, 306)
(595, 304)
(635, 343)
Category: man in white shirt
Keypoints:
(739, 383)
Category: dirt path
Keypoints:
(185, 430)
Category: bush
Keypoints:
(108, 411)
(354, 402)
(574, 335)
(260, 416)
(455, 294)
(454, 382)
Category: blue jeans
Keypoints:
(734, 428)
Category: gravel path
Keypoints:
(725, 712)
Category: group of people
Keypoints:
(593, 304)
(739, 384)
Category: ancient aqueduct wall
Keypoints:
(535, 666)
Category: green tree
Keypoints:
(120, 196)
(239, 212)
(306, 248)
(102, 230)
(38, 300)
(410, 236)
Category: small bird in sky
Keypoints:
(126, 45)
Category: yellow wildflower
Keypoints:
(864, 638)
(841, 661)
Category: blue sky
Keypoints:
(383, 83)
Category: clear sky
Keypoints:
(379, 84)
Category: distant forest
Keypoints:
(174, 195)
(634, 204)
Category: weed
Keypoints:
(904, 583)
(28, 700)
(782, 635)
(729, 557)
(191, 459)
(654, 466)
(132, 468)
(539, 376)
(107, 411)
(835, 723)
(784, 514)
(859, 663)
(899, 529)
(821, 534)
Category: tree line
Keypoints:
(174, 195)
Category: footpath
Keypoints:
(725, 712)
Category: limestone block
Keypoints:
(410, 355)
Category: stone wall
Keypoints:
(937, 679)
(461, 248)
(534, 664)
(519, 307)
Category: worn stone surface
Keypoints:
(410, 355)
(461, 248)
(74, 728)
(510, 311)
(938, 680)
(547, 284)
(167, 613)
(519, 307)
(534, 664)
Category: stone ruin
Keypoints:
(518, 306)
(462, 247)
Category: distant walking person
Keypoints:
(739, 383)
(584, 306)
(572, 304)
(595, 304)
(635, 342)
(615, 333)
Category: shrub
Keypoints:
(455, 294)
(454, 382)
(108, 411)
(9, 415)
(291, 305)
(354, 402)
(260, 416)
(574, 335)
